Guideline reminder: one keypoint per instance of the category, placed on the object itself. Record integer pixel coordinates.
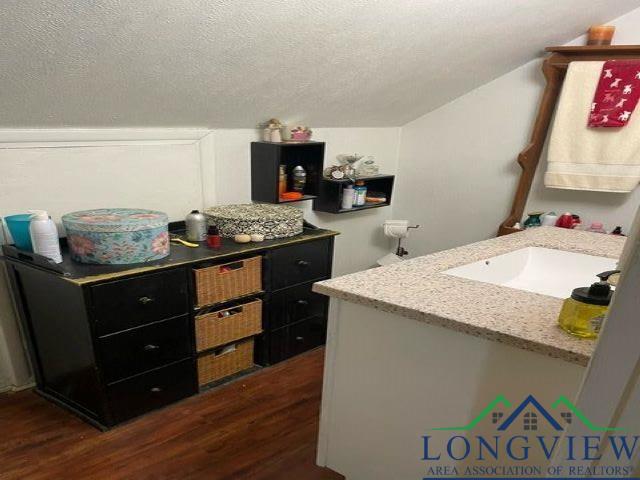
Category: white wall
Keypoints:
(457, 164)
(61, 180)
(173, 175)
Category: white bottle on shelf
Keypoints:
(348, 197)
(44, 235)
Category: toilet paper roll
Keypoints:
(396, 228)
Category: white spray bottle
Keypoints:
(44, 235)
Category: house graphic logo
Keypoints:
(531, 411)
(507, 440)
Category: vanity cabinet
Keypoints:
(112, 342)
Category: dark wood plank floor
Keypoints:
(261, 427)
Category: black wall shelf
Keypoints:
(330, 197)
(266, 158)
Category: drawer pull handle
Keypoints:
(151, 347)
(303, 263)
(229, 267)
(299, 339)
(156, 390)
(230, 312)
(145, 300)
(302, 303)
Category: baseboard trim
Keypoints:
(16, 388)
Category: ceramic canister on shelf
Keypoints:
(549, 219)
(533, 220)
(117, 235)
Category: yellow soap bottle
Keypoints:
(583, 313)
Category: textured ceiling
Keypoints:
(213, 63)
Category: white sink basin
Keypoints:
(540, 270)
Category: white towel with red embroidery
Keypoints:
(584, 158)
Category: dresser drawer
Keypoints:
(294, 304)
(300, 263)
(152, 390)
(136, 301)
(306, 335)
(144, 348)
(295, 339)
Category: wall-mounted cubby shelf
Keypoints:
(266, 158)
(330, 197)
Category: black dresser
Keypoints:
(113, 342)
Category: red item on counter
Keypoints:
(617, 94)
(565, 221)
(213, 237)
(576, 221)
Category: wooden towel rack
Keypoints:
(554, 68)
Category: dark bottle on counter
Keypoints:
(213, 237)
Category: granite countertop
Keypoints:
(417, 289)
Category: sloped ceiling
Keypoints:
(213, 63)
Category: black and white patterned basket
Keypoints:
(272, 221)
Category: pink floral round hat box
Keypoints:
(117, 236)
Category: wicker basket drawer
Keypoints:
(226, 361)
(229, 324)
(230, 280)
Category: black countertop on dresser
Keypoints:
(81, 273)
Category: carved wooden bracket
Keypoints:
(554, 68)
